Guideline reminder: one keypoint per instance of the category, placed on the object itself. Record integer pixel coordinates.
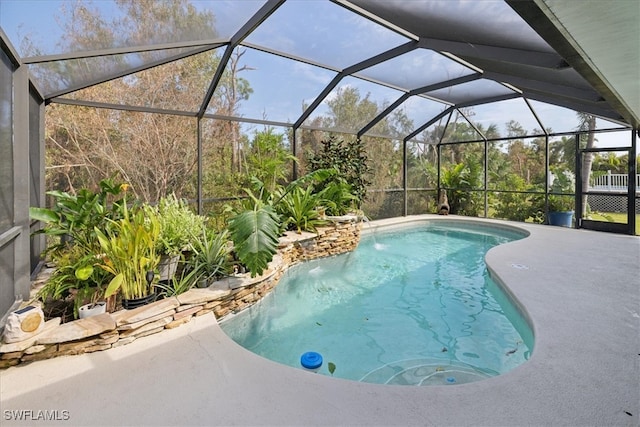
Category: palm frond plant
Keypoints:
(460, 181)
(337, 197)
(298, 208)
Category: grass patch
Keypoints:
(614, 217)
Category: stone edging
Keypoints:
(229, 295)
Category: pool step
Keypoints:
(426, 372)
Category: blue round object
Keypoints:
(311, 360)
(451, 380)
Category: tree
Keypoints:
(268, 159)
(350, 111)
(349, 159)
(232, 91)
(587, 123)
(156, 154)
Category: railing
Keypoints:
(613, 182)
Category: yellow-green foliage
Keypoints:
(129, 247)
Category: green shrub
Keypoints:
(178, 223)
(349, 159)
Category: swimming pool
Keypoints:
(411, 306)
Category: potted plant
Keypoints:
(129, 253)
(73, 245)
(74, 281)
(93, 308)
(561, 206)
(177, 225)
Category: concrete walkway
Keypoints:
(580, 289)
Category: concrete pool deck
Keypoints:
(580, 289)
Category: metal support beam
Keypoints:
(259, 17)
(212, 44)
(522, 83)
(126, 72)
(21, 198)
(438, 184)
(37, 166)
(326, 91)
(496, 53)
(488, 100)
(418, 91)
(370, 62)
(200, 167)
(483, 136)
(546, 179)
(577, 197)
(429, 123)
(446, 83)
(535, 115)
(597, 109)
(486, 176)
(631, 187)
(382, 57)
(404, 179)
(294, 153)
(383, 114)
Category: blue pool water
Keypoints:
(410, 307)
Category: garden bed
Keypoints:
(229, 295)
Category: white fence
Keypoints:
(613, 182)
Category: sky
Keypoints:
(321, 32)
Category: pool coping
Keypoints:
(584, 369)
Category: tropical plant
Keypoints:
(460, 180)
(75, 275)
(74, 217)
(210, 255)
(268, 159)
(129, 248)
(561, 203)
(255, 233)
(337, 197)
(179, 284)
(298, 209)
(562, 185)
(178, 223)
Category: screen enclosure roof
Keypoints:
(434, 56)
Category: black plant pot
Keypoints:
(130, 304)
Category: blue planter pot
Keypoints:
(562, 219)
